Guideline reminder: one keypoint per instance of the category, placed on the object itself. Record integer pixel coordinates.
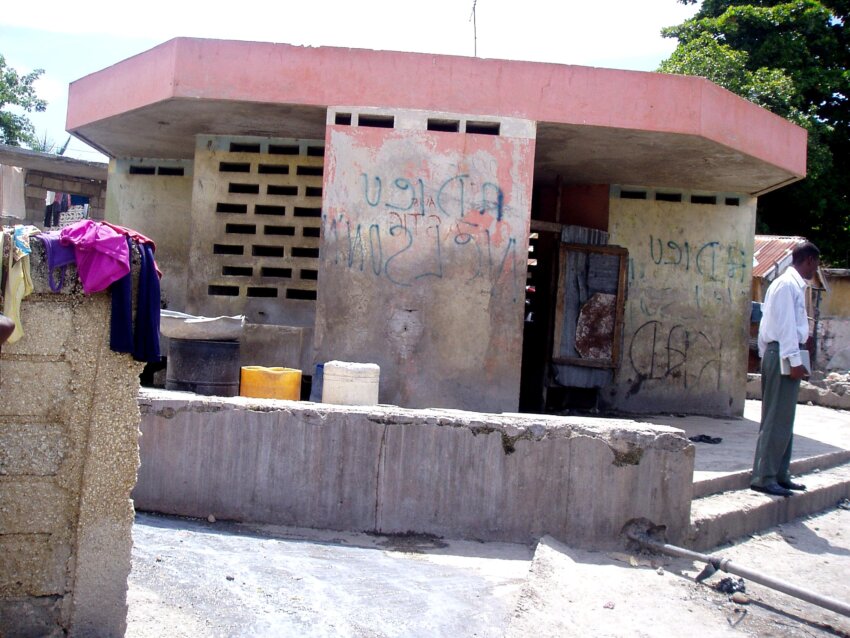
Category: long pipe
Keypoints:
(718, 562)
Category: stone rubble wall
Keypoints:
(391, 470)
(68, 459)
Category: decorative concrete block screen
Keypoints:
(256, 213)
(69, 452)
(686, 320)
(424, 249)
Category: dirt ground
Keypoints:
(192, 578)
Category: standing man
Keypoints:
(783, 333)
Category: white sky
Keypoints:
(72, 39)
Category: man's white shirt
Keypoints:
(784, 316)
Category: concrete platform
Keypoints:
(821, 440)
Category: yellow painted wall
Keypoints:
(688, 305)
(837, 302)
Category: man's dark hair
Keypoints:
(803, 251)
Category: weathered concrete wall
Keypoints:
(834, 344)
(688, 307)
(68, 459)
(38, 183)
(391, 470)
(423, 262)
(159, 206)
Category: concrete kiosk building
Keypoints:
(496, 235)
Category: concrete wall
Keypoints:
(38, 183)
(837, 302)
(688, 307)
(158, 205)
(390, 470)
(833, 344)
(423, 262)
(68, 459)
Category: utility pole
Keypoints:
(474, 30)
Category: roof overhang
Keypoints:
(53, 164)
(594, 125)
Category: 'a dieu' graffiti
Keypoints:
(707, 259)
(687, 356)
(454, 197)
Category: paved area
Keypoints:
(817, 431)
(193, 578)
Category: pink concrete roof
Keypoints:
(198, 70)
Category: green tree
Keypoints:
(793, 58)
(17, 91)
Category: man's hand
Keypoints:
(798, 372)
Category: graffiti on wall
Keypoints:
(674, 340)
(412, 230)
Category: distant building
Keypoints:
(385, 207)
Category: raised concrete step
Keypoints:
(724, 517)
(740, 480)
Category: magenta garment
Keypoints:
(102, 254)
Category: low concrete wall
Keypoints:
(68, 459)
(390, 470)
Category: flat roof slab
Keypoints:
(620, 126)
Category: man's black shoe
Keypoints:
(774, 489)
(793, 486)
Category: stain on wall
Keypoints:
(688, 305)
(423, 262)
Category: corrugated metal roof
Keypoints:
(772, 255)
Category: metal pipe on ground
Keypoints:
(643, 538)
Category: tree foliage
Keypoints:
(17, 91)
(793, 58)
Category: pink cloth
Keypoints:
(102, 254)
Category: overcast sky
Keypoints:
(72, 39)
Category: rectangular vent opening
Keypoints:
(287, 149)
(266, 209)
(171, 170)
(733, 201)
(309, 274)
(632, 194)
(227, 249)
(142, 170)
(310, 170)
(223, 291)
(273, 169)
(298, 251)
(241, 229)
(376, 121)
(262, 292)
(314, 191)
(276, 189)
(279, 273)
(448, 126)
(308, 231)
(483, 128)
(279, 230)
(292, 293)
(224, 207)
(251, 189)
(316, 151)
(234, 167)
(237, 271)
(343, 119)
(668, 197)
(236, 147)
(267, 251)
(703, 199)
(301, 211)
